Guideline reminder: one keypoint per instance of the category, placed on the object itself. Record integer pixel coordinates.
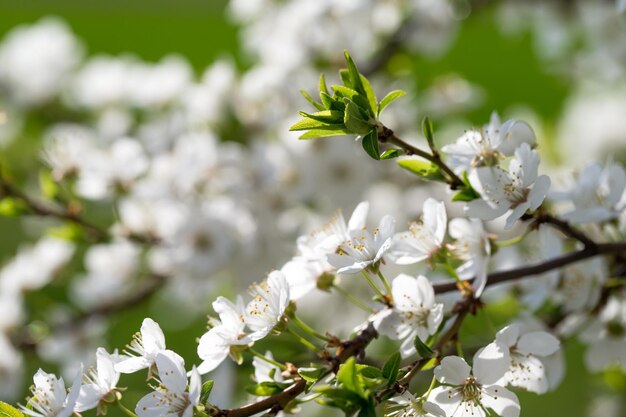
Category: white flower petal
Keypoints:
(490, 363)
(501, 400)
(452, 370)
(508, 335)
(538, 343)
(132, 364)
(171, 367)
(152, 336)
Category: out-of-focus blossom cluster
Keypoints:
(202, 167)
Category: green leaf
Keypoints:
(422, 348)
(370, 144)
(368, 371)
(367, 410)
(207, 387)
(390, 154)
(427, 129)
(424, 169)
(322, 86)
(7, 410)
(308, 124)
(347, 376)
(391, 367)
(344, 92)
(353, 72)
(324, 132)
(371, 96)
(465, 195)
(341, 398)
(326, 116)
(267, 388)
(354, 120)
(12, 207)
(49, 187)
(310, 99)
(389, 98)
(69, 231)
(311, 374)
(345, 78)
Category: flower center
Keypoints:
(418, 317)
(515, 194)
(471, 390)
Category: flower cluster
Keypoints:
(161, 180)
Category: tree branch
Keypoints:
(148, 288)
(352, 347)
(564, 227)
(387, 135)
(96, 232)
(517, 273)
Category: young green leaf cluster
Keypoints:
(352, 109)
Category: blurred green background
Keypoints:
(505, 67)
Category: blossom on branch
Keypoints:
(517, 190)
(468, 391)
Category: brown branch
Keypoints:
(387, 135)
(148, 288)
(526, 271)
(393, 44)
(38, 208)
(96, 232)
(564, 227)
(276, 402)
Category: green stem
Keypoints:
(430, 388)
(459, 348)
(371, 282)
(354, 300)
(384, 280)
(513, 241)
(453, 272)
(302, 340)
(126, 410)
(266, 359)
(309, 329)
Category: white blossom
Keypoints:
(471, 245)
(468, 391)
(526, 352)
(606, 336)
(517, 190)
(486, 147)
(49, 398)
(171, 398)
(101, 382)
(406, 405)
(143, 349)
(363, 248)
(270, 299)
(265, 371)
(215, 345)
(424, 239)
(415, 312)
(598, 194)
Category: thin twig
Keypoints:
(353, 347)
(387, 135)
(564, 227)
(528, 271)
(143, 292)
